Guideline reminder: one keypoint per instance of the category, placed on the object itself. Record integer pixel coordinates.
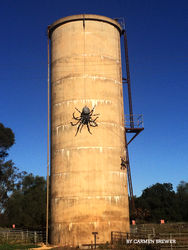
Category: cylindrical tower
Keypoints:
(88, 187)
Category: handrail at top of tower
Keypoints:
(138, 127)
(137, 119)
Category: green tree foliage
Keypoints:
(182, 197)
(22, 195)
(10, 176)
(161, 202)
(26, 207)
(7, 139)
(10, 180)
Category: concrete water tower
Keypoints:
(88, 184)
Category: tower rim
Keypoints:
(84, 17)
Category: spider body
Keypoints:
(85, 118)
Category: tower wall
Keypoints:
(88, 188)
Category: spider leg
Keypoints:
(95, 119)
(78, 110)
(90, 120)
(95, 114)
(81, 127)
(76, 118)
(75, 123)
(77, 129)
(93, 124)
(88, 129)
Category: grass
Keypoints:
(135, 247)
(7, 246)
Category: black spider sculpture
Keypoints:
(85, 118)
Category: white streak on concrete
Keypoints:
(98, 197)
(102, 78)
(70, 226)
(100, 149)
(101, 56)
(61, 174)
(120, 174)
(64, 126)
(116, 198)
(123, 175)
(56, 200)
(109, 198)
(61, 150)
(112, 124)
(94, 102)
(68, 154)
(95, 224)
(91, 147)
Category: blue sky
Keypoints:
(157, 40)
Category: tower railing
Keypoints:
(134, 121)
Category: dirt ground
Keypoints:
(43, 247)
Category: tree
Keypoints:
(182, 197)
(10, 179)
(26, 207)
(7, 139)
(10, 176)
(22, 195)
(160, 202)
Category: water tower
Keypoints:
(89, 157)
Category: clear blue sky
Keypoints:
(158, 52)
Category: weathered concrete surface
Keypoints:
(88, 188)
